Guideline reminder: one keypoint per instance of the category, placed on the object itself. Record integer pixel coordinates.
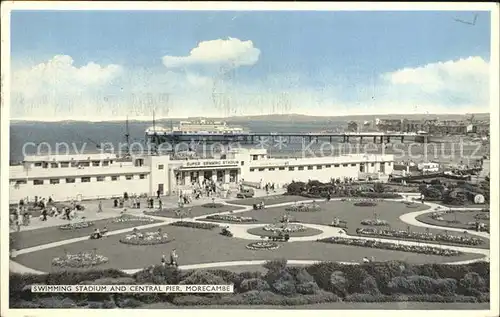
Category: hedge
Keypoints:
(280, 285)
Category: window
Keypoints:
(38, 164)
(38, 182)
(336, 165)
(85, 179)
(54, 181)
(105, 163)
(74, 164)
(310, 167)
(291, 168)
(100, 178)
(255, 157)
(114, 178)
(261, 169)
(271, 168)
(85, 164)
(328, 166)
(388, 163)
(242, 163)
(353, 164)
(142, 176)
(54, 165)
(95, 163)
(21, 182)
(373, 164)
(70, 180)
(129, 177)
(281, 168)
(301, 168)
(345, 165)
(160, 167)
(318, 167)
(64, 164)
(252, 169)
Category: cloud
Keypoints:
(231, 52)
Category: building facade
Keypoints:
(93, 176)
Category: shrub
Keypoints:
(195, 225)
(307, 288)
(129, 303)
(254, 284)
(472, 280)
(158, 275)
(338, 282)
(275, 265)
(423, 285)
(369, 285)
(302, 276)
(203, 278)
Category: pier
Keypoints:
(257, 137)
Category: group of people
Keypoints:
(269, 187)
(173, 259)
(98, 234)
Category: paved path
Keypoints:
(240, 231)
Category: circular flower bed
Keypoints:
(128, 218)
(79, 260)
(365, 204)
(263, 246)
(304, 208)
(77, 225)
(146, 238)
(285, 228)
(374, 222)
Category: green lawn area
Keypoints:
(268, 200)
(347, 211)
(31, 238)
(462, 218)
(260, 232)
(202, 246)
(190, 211)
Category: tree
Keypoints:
(378, 187)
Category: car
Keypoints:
(246, 193)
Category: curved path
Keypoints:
(240, 231)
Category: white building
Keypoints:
(91, 176)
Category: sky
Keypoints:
(105, 65)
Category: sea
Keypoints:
(28, 138)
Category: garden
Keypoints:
(461, 219)
(196, 246)
(279, 284)
(31, 238)
(230, 219)
(337, 189)
(292, 229)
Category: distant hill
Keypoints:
(295, 118)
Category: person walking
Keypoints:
(99, 209)
(173, 258)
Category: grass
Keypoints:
(268, 200)
(462, 217)
(347, 211)
(263, 233)
(202, 246)
(189, 212)
(31, 238)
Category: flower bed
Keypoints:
(196, 225)
(77, 225)
(129, 218)
(374, 222)
(230, 218)
(79, 260)
(365, 204)
(212, 205)
(482, 216)
(145, 238)
(411, 205)
(285, 228)
(391, 246)
(304, 208)
(263, 246)
(420, 236)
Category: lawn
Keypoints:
(31, 238)
(268, 200)
(260, 232)
(190, 211)
(462, 218)
(346, 211)
(202, 246)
